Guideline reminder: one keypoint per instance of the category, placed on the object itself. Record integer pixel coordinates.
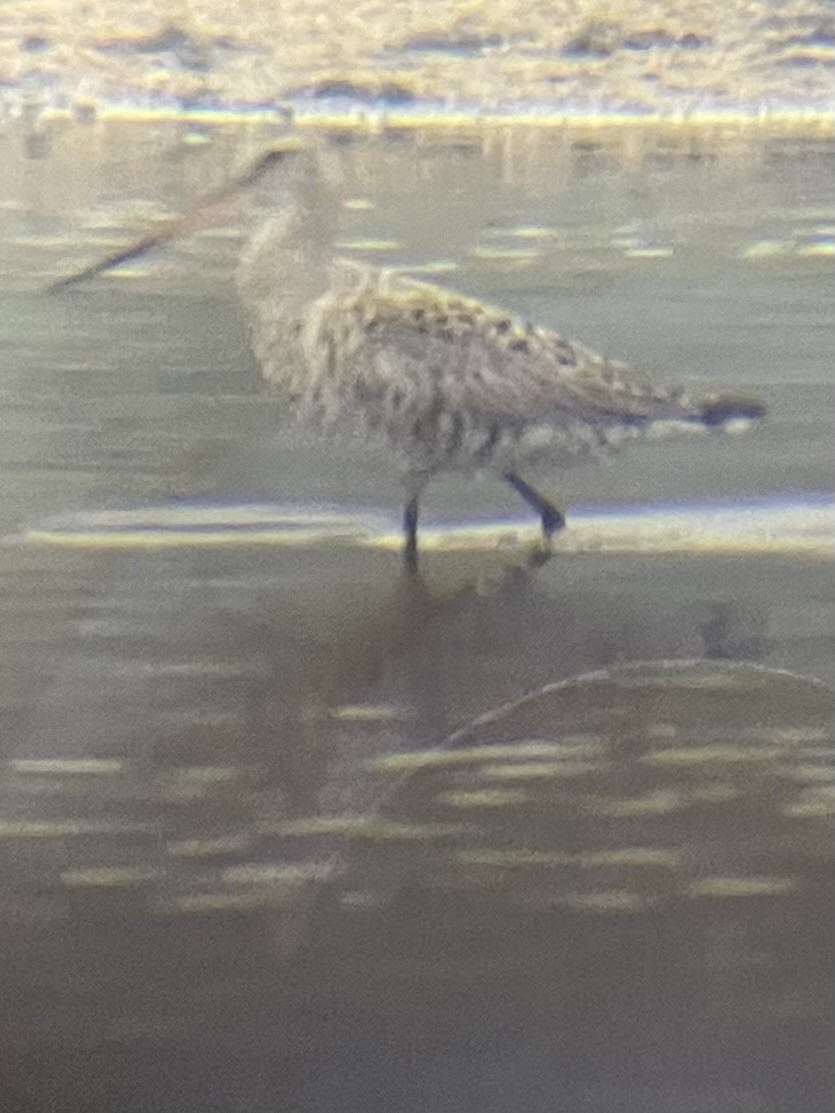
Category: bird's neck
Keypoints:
(284, 270)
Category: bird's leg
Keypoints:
(410, 526)
(552, 519)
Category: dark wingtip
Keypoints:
(728, 407)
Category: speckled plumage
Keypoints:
(449, 382)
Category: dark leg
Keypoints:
(410, 524)
(552, 519)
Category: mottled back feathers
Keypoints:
(449, 381)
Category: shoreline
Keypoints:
(812, 120)
(423, 63)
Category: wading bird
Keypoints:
(450, 383)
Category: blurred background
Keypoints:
(284, 830)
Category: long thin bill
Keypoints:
(207, 211)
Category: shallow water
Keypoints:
(228, 885)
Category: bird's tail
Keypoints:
(665, 415)
(722, 413)
(727, 410)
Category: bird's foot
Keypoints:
(553, 520)
(410, 559)
(410, 531)
(539, 554)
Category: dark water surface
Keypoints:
(250, 858)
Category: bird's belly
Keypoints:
(428, 436)
(455, 444)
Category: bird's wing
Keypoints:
(492, 364)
